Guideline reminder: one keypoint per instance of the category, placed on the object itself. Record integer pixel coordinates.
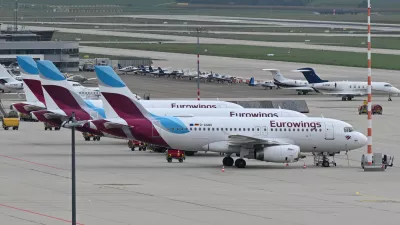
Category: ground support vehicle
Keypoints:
(376, 109)
(10, 122)
(133, 144)
(175, 154)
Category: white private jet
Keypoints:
(347, 89)
(8, 82)
(301, 86)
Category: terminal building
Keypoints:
(39, 45)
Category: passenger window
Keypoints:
(208, 129)
(248, 129)
(280, 129)
(289, 129)
(213, 129)
(190, 128)
(217, 129)
(234, 129)
(230, 129)
(195, 128)
(239, 129)
(284, 129)
(276, 129)
(252, 129)
(258, 129)
(307, 130)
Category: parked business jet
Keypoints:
(347, 89)
(301, 86)
(8, 82)
(266, 84)
(266, 139)
(127, 69)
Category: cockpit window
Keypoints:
(348, 129)
(387, 85)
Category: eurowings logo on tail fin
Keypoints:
(310, 75)
(59, 93)
(30, 76)
(120, 102)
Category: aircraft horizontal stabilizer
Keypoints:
(301, 88)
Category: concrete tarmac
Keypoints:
(117, 186)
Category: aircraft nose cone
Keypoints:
(362, 139)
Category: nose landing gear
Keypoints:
(322, 159)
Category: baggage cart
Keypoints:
(132, 144)
(175, 154)
(10, 122)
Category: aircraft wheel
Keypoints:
(349, 98)
(240, 163)
(228, 161)
(325, 164)
(344, 98)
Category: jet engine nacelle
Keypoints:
(278, 154)
(14, 85)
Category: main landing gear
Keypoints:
(321, 159)
(347, 98)
(302, 92)
(229, 161)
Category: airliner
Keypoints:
(266, 139)
(301, 86)
(8, 82)
(347, 89)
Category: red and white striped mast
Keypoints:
(369, 148)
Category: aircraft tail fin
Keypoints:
(310, 75)
(31, 80)
(118, 100)
(276, 74)
(251, 82)
(58, 92)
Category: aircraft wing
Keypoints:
(247, 140)
(300, 88)
(344, 93)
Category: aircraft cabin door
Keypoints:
(329, 132)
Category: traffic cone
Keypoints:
(287, 164)
(304, 165)
(223, 169)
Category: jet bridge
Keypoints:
(295, 105)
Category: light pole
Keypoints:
(198, 29)
(73, 170)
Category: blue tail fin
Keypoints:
(311, 76)
(251, 83)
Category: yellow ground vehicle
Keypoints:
(87, 136)
(10, 122)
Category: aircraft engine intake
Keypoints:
(278, 154)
